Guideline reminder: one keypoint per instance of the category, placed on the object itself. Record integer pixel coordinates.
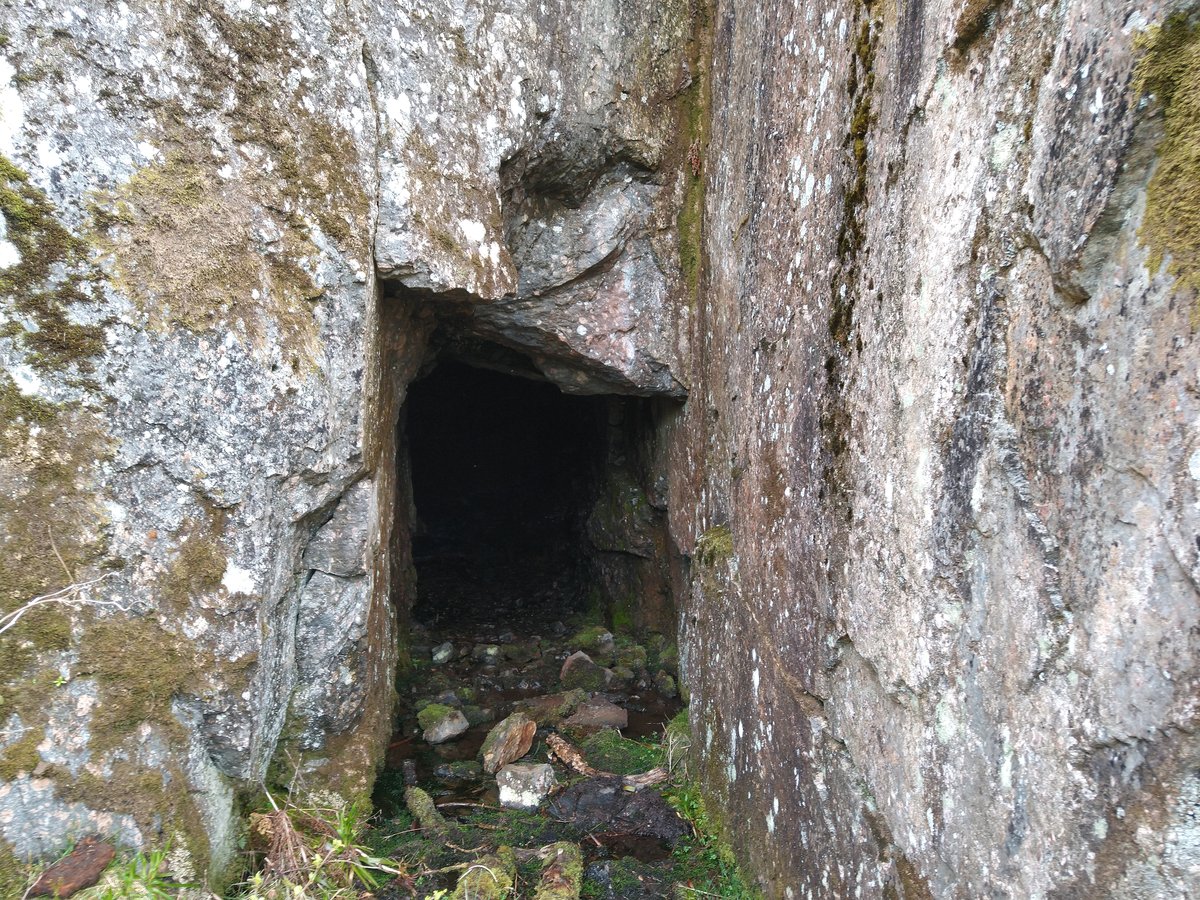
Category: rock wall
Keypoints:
(938, 467)
(925, 273)
(229, 231)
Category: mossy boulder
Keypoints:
(596, 641)
(580, 672)
(633, 657)
(441, 723)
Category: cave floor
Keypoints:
(507, 660)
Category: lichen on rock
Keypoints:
(1169, 69)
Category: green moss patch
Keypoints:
(21, 756)
(1170, 70)
(714, 546)
(140, 668)
(51, 525)
(608, 751)
(198, 565)
(50, 278)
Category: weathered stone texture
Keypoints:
(950, 419)
(202, 374)
(929, 513)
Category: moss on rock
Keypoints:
(51, 276)
(714, 546)
(562, 876)
(21, 756)
(488, 878)
(1170, 70)
(139, 669)
(199, 564)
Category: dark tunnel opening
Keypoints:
(504, 473)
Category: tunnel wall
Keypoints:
(938, 463)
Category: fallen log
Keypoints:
(420, 804)
(573, 759)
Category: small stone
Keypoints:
(525, 785)
(509, 740)
(665, 684)
(443, 653)
(579, 671)
(80, 869)
(562, 873)
(441, 723)
(488, 654)
(598, 713)
(520, 653)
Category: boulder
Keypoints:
(580, 671)
(443, 653)
(665, 684)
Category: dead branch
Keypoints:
(572, 758)
(71, 595)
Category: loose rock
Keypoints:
(579, 671)
(488, 878)
(441, 723)
(509, 740)
(80, 869)
(562, 876)
(525, 785)
(443, 653)
(598, 713)
(604, 803)
(551, 709)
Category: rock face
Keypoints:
(229, 231)
(925, 274)
(939, 464)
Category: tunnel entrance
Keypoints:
(505, 472)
